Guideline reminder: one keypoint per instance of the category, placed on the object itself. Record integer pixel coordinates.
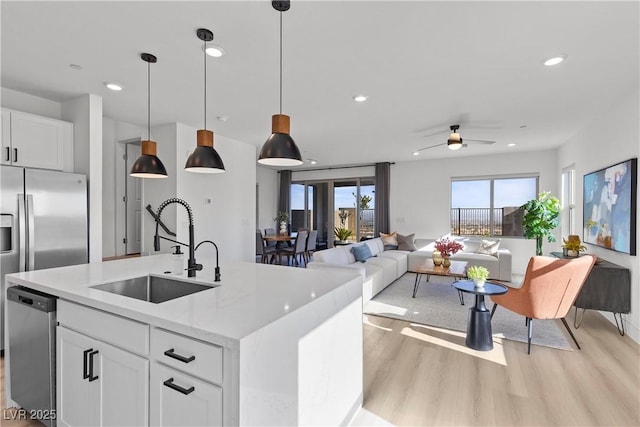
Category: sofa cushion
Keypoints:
(469, 244)
(489, 247)
(361, 252)
(390, 241)
(389, 270)
(375, 245)
(400, 257)
(405, 243)
(339, 256)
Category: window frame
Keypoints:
(491, 179)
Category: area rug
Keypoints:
(437, 304)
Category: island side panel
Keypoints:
(306, 368)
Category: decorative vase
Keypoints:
(478, 283)
(572, 253)
(283, 227)
(437, 258)
(446, 262)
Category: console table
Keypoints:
(607, 288)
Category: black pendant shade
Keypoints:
(280, 149)
(204, 159)
(148, 165)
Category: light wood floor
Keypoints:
(416, 375)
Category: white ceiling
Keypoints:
(424, 65)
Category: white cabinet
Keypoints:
(99, 384)
(178, 396)
(178, 399)
(35, 141)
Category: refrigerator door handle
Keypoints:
(22, 238)
(31, 235)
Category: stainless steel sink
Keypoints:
(155, 289)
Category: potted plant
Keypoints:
(478, 274)
(540, 218)
(342, 234)
(573, 246)
(282, 218)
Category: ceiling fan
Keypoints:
(455, 141)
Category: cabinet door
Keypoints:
(182, 400)
(6, 138)
(38, 142)
(124, 387)
(77, 398)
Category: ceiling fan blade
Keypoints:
(440, 132)
(479, 141)
(431, 146)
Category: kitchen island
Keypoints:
(269, 345)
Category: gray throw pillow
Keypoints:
(406, 243)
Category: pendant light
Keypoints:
(148, 165)
(205, 158)
(280, 149)
(455, 140)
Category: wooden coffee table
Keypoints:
(457, 270)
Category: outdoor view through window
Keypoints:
(490, 206)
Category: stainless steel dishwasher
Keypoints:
(31, 317)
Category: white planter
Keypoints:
(283, 227)
(478, 283)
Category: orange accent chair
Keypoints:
(550, 287)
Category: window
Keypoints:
(490, 206)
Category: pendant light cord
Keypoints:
(204, 56)
(281, 63)
(148, 101)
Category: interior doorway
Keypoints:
(128, 201)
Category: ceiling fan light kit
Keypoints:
(148, 165)
(455, 140)
(280, 149)
(205, 158)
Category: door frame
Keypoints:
(121, 176)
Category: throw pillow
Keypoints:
(361, 252)
(390, 241)
(405, 243)
(489, 247)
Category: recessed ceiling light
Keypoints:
(415, 153)
(75, 66)
(360, 98)
(555, 60)
(511, 145)
(113, 86)
(313, 162)
(214, 50)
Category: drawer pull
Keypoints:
(171, 353)
(15, 154)
(169, 383)
(91, 377)
(85, 372)
(8, 154)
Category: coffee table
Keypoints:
(479, 335)
(457, 270)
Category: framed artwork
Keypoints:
(609, 207)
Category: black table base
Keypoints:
(479, 335)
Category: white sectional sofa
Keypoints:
(379, 271)
(384, 267)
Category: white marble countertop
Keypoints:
(249, 296)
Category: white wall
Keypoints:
(30, 104)
(420, 194)
(267, 181)
(86, 114)
(610, 138)
(223, 205)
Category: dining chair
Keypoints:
(312, 241)
(263, 250)
(548, 291)
(297, 250)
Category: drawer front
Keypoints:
(182, 400)
(189, 355)
(110, 328)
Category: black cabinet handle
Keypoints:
(85, 372)
(8, 154)
(91, 377)
(169, 383)
(15, 154)
(171, 353)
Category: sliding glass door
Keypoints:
(341, 210)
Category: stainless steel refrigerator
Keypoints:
(43, 222)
